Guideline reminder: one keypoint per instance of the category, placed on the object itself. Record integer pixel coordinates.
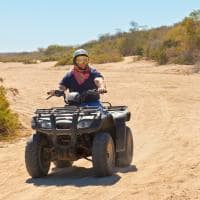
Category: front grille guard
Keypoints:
(59, 113)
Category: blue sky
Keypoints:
(26, 25)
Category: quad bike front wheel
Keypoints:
(124, 158)
(103, 155)
(37, 157)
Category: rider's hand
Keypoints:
(102, 90)
(51, 92)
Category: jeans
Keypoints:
(93, 103)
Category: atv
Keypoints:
(66, 134)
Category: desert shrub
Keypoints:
(100, 52)
(8, 120)
(101, 56)
(30, 62)
(66, 60)
(96, 58)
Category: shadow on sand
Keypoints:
(78, 176)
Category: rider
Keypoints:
(82, 77)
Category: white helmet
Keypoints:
(80, 52)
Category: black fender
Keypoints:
(120, 115)
(120, 133)
(116, 126)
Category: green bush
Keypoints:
(9, 122)
(100, 52)
(66, 60)
(105, 57)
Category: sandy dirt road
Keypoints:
(165, 105)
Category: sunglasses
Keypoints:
(82, 59)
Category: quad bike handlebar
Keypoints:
(59, 93)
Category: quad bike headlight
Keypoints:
(45, 124)
(85, 123)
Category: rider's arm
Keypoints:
(65, 82)
(62, 87)
(52, 92)
(100, 83)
